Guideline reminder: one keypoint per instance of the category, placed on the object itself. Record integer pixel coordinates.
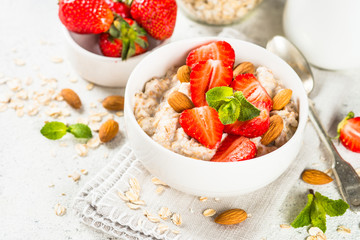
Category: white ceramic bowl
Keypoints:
(203, 178)
(85, 56)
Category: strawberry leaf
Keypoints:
(80, 130)
(333, 208)
(318, 215)
(303, 219)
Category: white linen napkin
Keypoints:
(98, 204)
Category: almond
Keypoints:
(114, 103)
(315, 177)
(244, 67)
(275, 129)
(281, 99)
(179, 101)
(183, 73)
(108, 130)
(232, 216)
(71, 98)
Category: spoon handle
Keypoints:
(345, 175)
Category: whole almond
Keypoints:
(71, 98)
(315, 177)
(232, 216)
(179, 101)
(108, 130)
(183, 73)
(274, 131)
(114, 103)
(281, 99)
(244, 67)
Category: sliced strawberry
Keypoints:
(206, 75)
(219, 50)
(203, 124)
(235, 148)
(349, 130)
(254, 127)
(252, 89)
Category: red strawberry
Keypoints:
(235, 148)
(252, 89)
(125, 39)
(219, 50)
(157, 17)
(254, 127)
(119, 8)
(206, 75)
(203, 124)
(85, 16)
(349, 132)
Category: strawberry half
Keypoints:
(219, 50)
(157, 17)
(206, 75)
(235, 148)
(252, 89)
(125, 39)
(254, 127)
(203, 124)
(349, 132)
(85, 16)
(119, 8)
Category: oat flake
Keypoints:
(57, 60)
(132, 196)
(162, 228)
(84, 171)
(93, 142)
(90, 86)
(75, 176)
(134, 184)
(209, 212)
(343, 229)
(157, 181)
(164, 213)
(119, 114)
(202, 199)
(19, 62)
(285, 226)
(3, 107)
(159, 189)
(81, 149)
(133, 206)
(176, 219)
(60, 210)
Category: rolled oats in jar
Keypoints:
(217, 12)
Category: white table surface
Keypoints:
(29, 163)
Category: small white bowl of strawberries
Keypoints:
(107, 38)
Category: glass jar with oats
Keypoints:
(217, 12)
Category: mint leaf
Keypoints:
(53, 130)
(333, 208)
(318, 215)
(303, 219)
(229, 112)
(80, 130)
(218, 96)
(247, 110)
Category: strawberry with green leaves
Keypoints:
(124, 39)
(157, 17)
(85, 16)
(349, 132)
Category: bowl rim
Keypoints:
(302, 105)
(103, 58)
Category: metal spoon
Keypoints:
(345, 175)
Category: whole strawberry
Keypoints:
(85, 16)
(119, 8)
(157, 17)
(349, 132)
(125, 39)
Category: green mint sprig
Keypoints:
(231, 106)
(316, 209)
(56, 130)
